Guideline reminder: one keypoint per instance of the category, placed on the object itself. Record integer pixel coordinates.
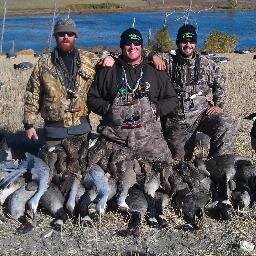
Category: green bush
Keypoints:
(232, 3)
(220, 42)
(162, 41)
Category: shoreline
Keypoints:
(37, 12)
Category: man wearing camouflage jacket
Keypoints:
(57, 89)
(194, 76)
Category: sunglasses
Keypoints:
(62, 34)
(184, 41)
(134, 43)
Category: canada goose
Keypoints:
(5, 151)
(137, 205)
(53, 201)
(222, 171)
(252, 117)
(202, 144)
(192, 193)
(245, 179)
(23, 65)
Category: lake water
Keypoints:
(104, 29)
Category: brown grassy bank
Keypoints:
(35, 7)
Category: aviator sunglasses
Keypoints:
(62, 34)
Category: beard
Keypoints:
(66, 45)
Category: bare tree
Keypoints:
(167, 14)
(189, 11)
(52, 27)
(133, 23)
(3, 26)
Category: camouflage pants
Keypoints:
(147, 140)
(219, 127)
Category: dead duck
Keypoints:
(252, 117)
(222, 171)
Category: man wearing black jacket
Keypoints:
(131, 97)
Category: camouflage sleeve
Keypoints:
(94, 59)
(32, 97)
(217, 83)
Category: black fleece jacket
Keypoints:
(104, 88)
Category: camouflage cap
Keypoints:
(65, 25)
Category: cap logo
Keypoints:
(188, 35)
(134, 37)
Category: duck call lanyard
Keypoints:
(129, 96)
(126, 92)
(179, 86)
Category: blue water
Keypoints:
(104, 29)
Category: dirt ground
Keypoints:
(233, 238)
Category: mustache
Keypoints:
(65, 40)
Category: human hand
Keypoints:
(159, 63)
(107, 62)
(32, 134)
(213, 110)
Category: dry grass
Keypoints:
(214, 239)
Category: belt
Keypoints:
(61, 122)
(55, 130)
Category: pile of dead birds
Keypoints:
(140, 189)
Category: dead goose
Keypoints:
(99, 189)
(17, 207)
(202, 144)
(192, 194)
(8, 190)
(252, 117)
(138, 205)
(222, 171)
(23, 65)
(126, 172)
(245, 179)
(53, 201)
(5, 151)
(37, 177)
